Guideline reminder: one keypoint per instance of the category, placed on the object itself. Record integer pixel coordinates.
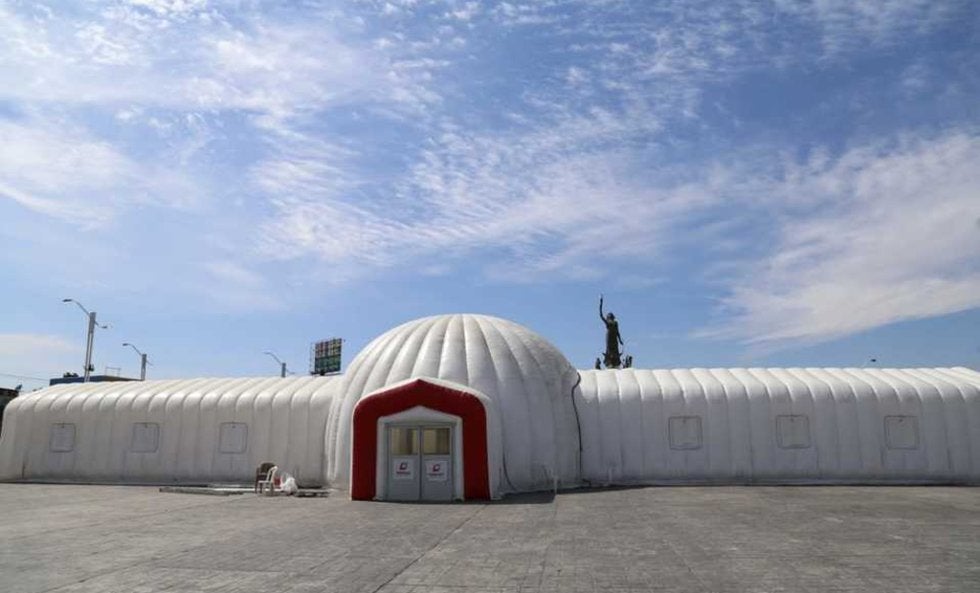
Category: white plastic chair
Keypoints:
(269, 482)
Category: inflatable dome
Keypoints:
(524, 382)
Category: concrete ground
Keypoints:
(137, 540)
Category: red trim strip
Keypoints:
(476, 475)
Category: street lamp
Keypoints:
(143, 360)
(282, 365)
(92, 324)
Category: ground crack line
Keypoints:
(432, 547)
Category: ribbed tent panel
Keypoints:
(180, 431)
(780, 425)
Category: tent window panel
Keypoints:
(901, 432)
(403, 440)
(684, 432)
(793, 431)
(146, 437)
(435, 441)
(233, 437)
(62, 438)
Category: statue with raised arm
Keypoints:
(611, 357)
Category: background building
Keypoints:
(6, 395)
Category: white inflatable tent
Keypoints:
(540, 422)
(780, 425)
(181, 431)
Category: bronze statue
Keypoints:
(611, 357)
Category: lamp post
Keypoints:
(92, 324)
(282, 365)
(143, 361)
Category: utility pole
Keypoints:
(143, 360)
(89, 344)
(92, 324)
(282, 365)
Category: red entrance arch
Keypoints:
(364, 452)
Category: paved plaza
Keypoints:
(87, 539)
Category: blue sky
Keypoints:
(748, 183)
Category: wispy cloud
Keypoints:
(195, 58)
(880, 234)
(849, 25)
(545, 196)
(67, 173)
(207, 111)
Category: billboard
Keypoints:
(325, 356)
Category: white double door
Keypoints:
(420, 462)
